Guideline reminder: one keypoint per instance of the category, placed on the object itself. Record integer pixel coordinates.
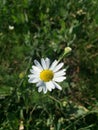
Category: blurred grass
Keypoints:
(33, 29)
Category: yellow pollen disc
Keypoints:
(46, 75)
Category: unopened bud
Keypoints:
(67, 50)
(21, 127)
(11, 27)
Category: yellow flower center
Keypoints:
(46, 75)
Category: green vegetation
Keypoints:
(32, 29)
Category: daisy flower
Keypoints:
(46, 75)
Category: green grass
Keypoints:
(44, 29)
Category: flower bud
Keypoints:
(11, 27)
(21, 127)
(67, 50)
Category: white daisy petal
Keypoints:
(37, 73)
(51, 84)
(48, 86)
(53, 65)
(40, 89)
(33, 76)
(59, 79)
(36, 69)
(43, 63)
(47, 60)
(57, 86)
(59, 73)
(38, 64)
(32, 71)
(58, 67)
(33, 80)
(30, 75)
(45, 90)
(40, 83)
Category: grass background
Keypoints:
(32, 29)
